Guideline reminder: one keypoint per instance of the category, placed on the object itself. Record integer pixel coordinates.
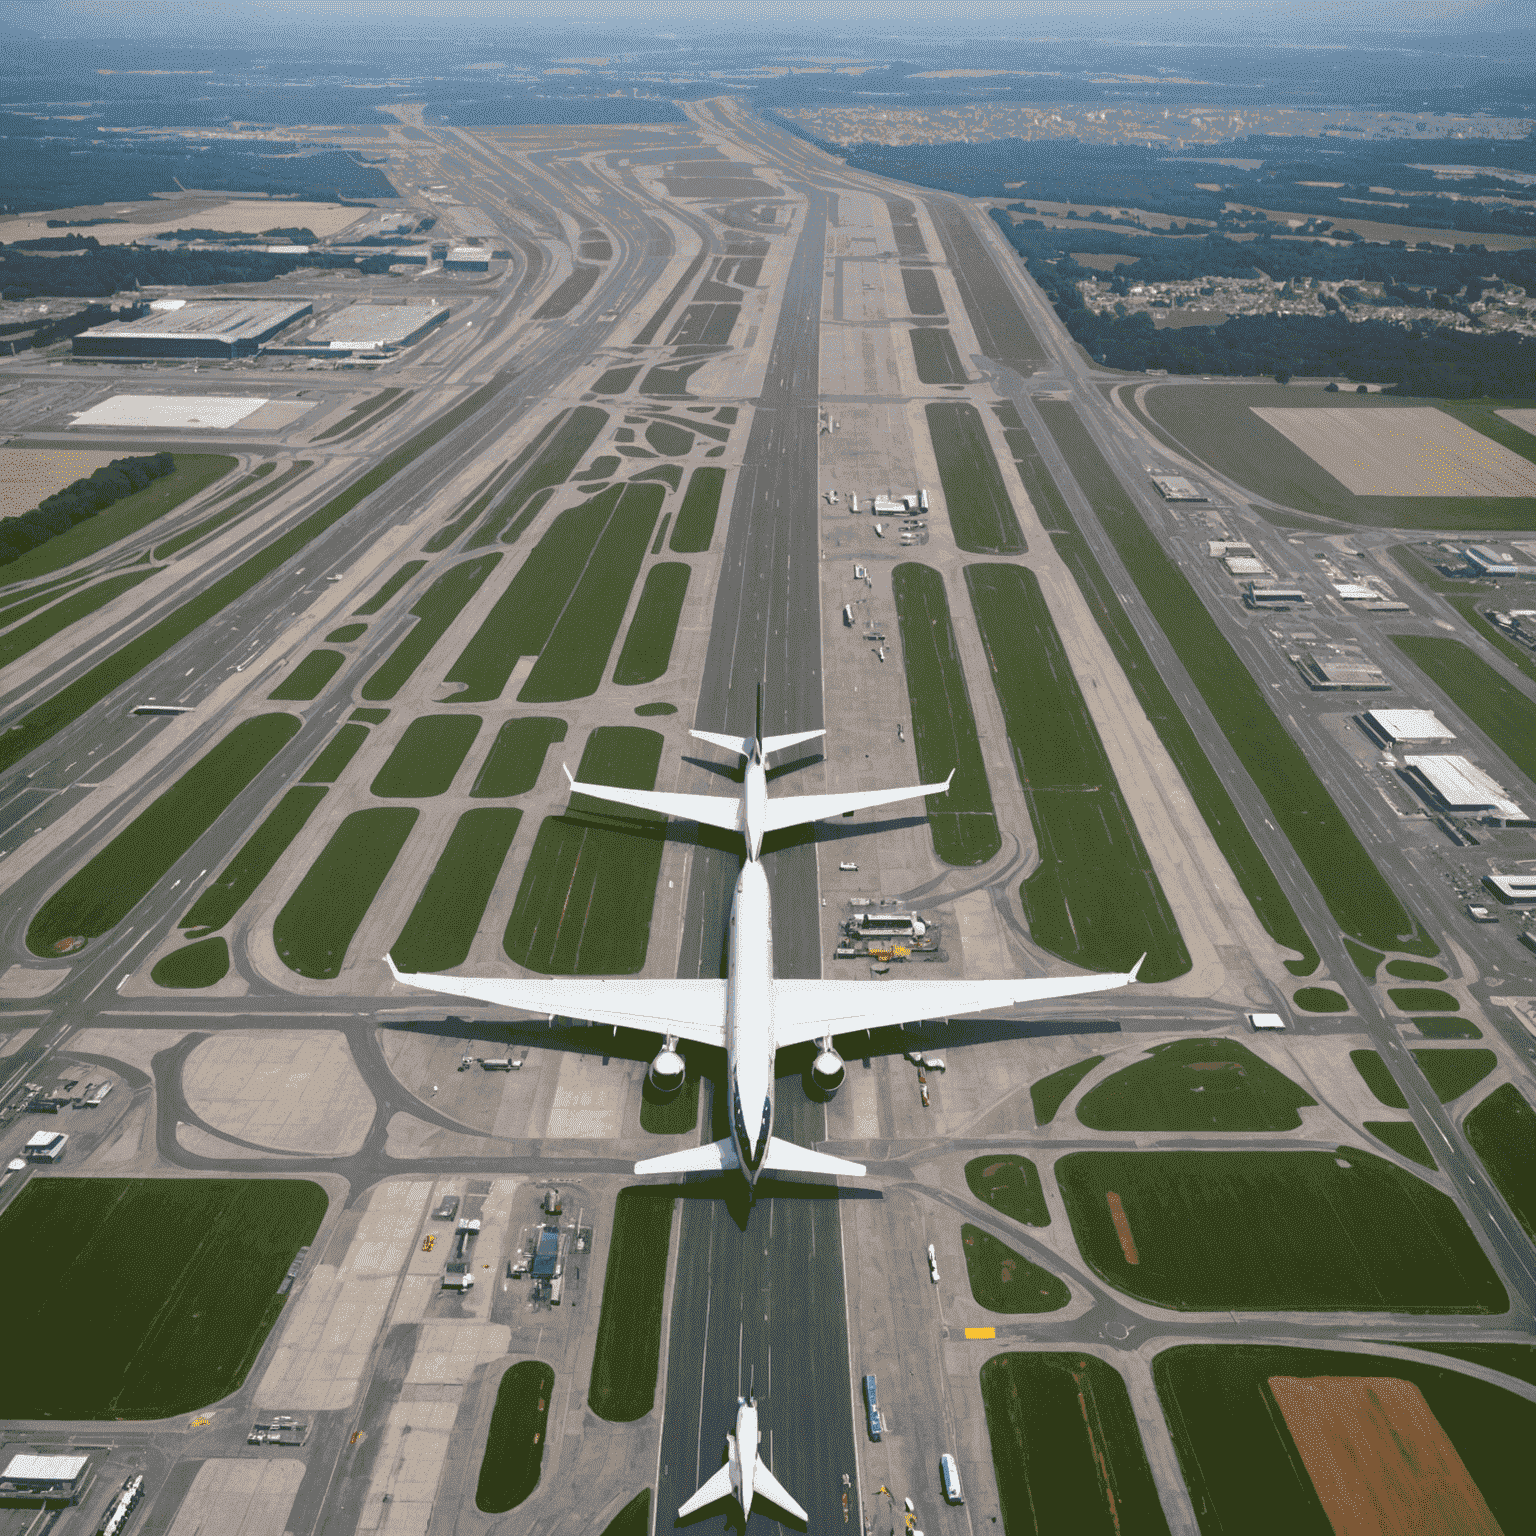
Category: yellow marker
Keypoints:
(981, 1333)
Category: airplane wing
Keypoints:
(695, 1010)
(796, 810)
(808, 1010)
(712, 810)
(765, 1483)
(718, 1487)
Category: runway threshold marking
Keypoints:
(981, 1333)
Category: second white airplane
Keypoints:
(752, 1013)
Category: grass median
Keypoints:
(180, 541)
(428, 755)
(980, 511)
(390, 587)
(197, 965)
(70, 610)
(97, 897)
(1094, 899)
(555, 456)
(310, 676)
(584, 905)
(1502, 1131)
(696, 517)
(1497, 708)
(1050, 1093)
(1362, 903)
(71, 702)
(1005, 1281)
(933, 350)
(962, 823)
(434, 612)
(516, 758)
(442, 926)
(648, 646)
(1010, 1184)
(1403, 1137)
(322, 916)
(514, 1442)
(1211, 797)
(627, 1359)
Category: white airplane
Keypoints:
(744, 1473)
(752, 1013)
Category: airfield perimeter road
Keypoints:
(759, 1297)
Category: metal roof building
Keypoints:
(468, 258)
(1454, 784)
(1408, 725)
(219, 328)
(375, 327)
(53, 1479)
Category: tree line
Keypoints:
(79, 501)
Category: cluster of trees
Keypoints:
(106, 269)
(1179, 184)
(79, 501)
(293, 234)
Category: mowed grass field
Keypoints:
(434, 611)
(266, 489)
(1248, 1477)
(648, 645)
(427, 756)
(310, 676)
(933, 350)
(514, 1443)
(1362, 903)
(1403, 1137)
(516, 758)
(628, 1354)
(1502, 1131)
(554, 456)
(1010, 1184)
(97, 897)
(198, 965)
(695, 527)
(1210, 794)
(1195, 1085)
(1500, 710)
(584, 905)
(1217, 425)
(442, 926)
(1005, 1281)
(980, 511)
(1066, 1449)
(1274, 1232)
(159, 1292)
(963, 823)
(1094, 899)
(1050, 1093)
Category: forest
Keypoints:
(79, 501)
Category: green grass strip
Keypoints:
(1446, 1028)
(1497, 708)
(574, 658)
(1423, 1000)
(585, 902)
(310, 676)
(514, 1443)
(70, 610)
(553, 465)
(1502, 1131)
(1321, 1000)
(1403, 1137)
(335, 755)
(38, 597)
(695, 527)
(194, 472)
(933, 349)
(1362, 903)
(628, 1353)
(1414, 970)
(376, 418)
(648, 645)
(358, 413)
(1010, 1184)
(516, 758)
(634, 1519)
(435, 612)
(1050, 1093)
(346, 634)
(322, 916)
(1095, 898)
(390, 587)
(963, 823)
(1378, 1079)
(673, 1115)
(1453, 1073)
(191, 535)
(427, 756)
(70, 703)
(1366, 959)
(442, 926)
(257, 858)
(980, 511)
(99, 896)
(1005, 1281)
(198, 965)
(1210, 795)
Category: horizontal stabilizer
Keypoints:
(780, 743)
(715, 1158)
(718, 1487)
(796, 810)
(790, 1157)
(740, 745)
(765, 1483)
(712, 810)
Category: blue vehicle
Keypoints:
(872, 1407)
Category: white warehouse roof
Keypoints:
(1409, 725)
(1463, 786)
(44, 1469)
(376, 325)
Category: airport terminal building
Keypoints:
(187, 328)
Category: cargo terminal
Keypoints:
(187, 328)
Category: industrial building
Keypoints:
(1274, 597)
(1326, 674)
(1392, 726)
(372, 328)
(1454, 784)
(1177, 488)
(467, 258)
(47, 1480)
(216, 328)
(45, 1146)
(1513, 890)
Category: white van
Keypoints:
(949, 1475)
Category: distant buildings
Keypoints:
(193, 328)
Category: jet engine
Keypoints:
(668, 1069)
(827, 1071)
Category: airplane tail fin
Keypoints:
(740, 745)
(718, 1487)
(790, 1157)
(715, 1158)
(765, 1483)
(779, 743)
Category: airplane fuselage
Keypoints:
(749, 1045)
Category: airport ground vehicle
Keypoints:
(949, 1477)
(872, 1407)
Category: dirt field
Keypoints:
(1414, 451)
(1525, 420)
(27, 475)
(1378, 1458)
(142, 221)
(1122, 1228)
